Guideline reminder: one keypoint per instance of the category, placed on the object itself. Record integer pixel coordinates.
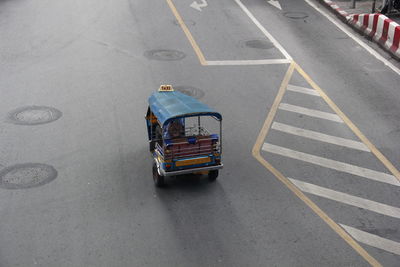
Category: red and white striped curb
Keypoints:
(382, 29)
(335, 7)
(379, 27)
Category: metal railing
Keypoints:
(388, 7)
(180, 150)
(196, 130)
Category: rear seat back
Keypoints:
(191, 146)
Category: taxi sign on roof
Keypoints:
(166, 88)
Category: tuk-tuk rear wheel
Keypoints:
(157, 178)
(212, 175)
(151, 146)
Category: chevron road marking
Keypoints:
(319, 136)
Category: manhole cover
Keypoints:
(26, 175)
(190, 91)
(165, 55)
(34, 115)
(260, 44)
(187, 22)
(296, 15)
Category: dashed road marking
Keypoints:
(302, 90)
(319, 136)
(332, 164)
(347, 199)
(310, 112)
(373, 240)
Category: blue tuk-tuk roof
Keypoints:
(167, 106)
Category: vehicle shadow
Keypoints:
(187, 182)
(205, 223)
(198, 218)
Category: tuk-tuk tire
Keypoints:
(212, 175)
(152, 145)
(157, 178)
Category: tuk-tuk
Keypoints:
(177, 146)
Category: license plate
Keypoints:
(187, 162)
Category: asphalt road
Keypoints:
(75, 182)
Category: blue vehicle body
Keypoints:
(186, 153)
(167, 106)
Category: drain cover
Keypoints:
(164, 55)
(190, 91)
(296, 15)
(260, 44)
(26, 175)
(34, 115)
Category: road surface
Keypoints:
(311, 130)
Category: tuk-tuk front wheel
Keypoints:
(157, 178)
(212, 175)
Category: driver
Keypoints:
(175, 129)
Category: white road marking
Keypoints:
(263, 30)
(356, 39)
(373, 240)
(198, 6)
(247, 62)
(275, 4)
(347, 199)
(332, 164)
(319, 136)
(310, 112)
(303, 90)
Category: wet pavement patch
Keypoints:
(295, 15)
(187, 22)
(259, 44)
(33, 115)
(164, 55)
(190, 91)
(27, 175)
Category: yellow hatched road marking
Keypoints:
(350, 124)
(256, 153)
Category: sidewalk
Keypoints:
(381, 29)
(364, 7)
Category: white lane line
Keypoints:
(332, 164)
(347, 199)
(356, 39)
(263, 30)
(303, 90)
(310, 112)
(247, 62)
(373, 240)
(319, 136)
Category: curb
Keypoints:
(378, 27)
